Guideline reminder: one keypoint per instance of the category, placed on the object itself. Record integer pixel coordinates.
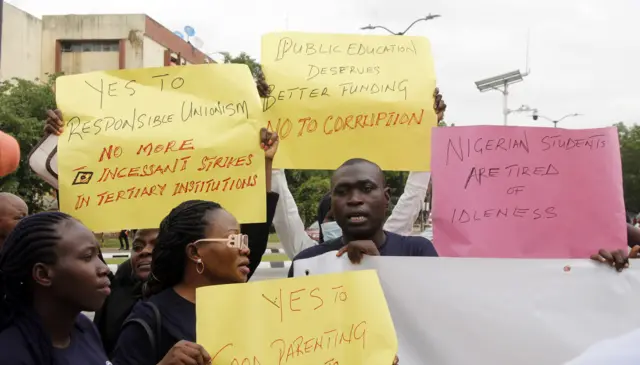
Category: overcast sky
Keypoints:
(585, 54)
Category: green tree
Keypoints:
(244, 58)
(23, 106)
(630, 156)
(308, 195)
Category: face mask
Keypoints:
(331, 230)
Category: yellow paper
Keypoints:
(336, 319)
(137, 143)
(336, 97)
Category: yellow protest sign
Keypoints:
(337, 96)
(336, 319)
(137, 143)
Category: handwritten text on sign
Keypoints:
(336, 319)
(353, 93)
(146, 140)
(512, 192)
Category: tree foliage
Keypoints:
(23, 106)
(244, 58)
(630, 156)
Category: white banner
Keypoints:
(458, 311)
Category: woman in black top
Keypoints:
(199, 244)
(126, 288)
(51, 271)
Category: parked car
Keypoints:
(314, 231)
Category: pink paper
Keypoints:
(526, 192)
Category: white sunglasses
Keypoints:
(238, 241)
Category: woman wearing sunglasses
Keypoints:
(199, 244)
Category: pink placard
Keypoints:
(526, 192)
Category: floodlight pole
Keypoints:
(505, 105)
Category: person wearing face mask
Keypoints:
(290, 227)
(329, 229)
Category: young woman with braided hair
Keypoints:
(51, 271)
(199, 244)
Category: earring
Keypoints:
(199, 262)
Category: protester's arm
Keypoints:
(406, 211)
(259, 234)
(409, 204)
(287, 221)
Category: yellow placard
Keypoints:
(337, 96)
(336, 319)
(136, 143)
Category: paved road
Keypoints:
(261, 274)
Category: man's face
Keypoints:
(143, 243)
(359, 200)
(12, 210)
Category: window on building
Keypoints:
(90, 46)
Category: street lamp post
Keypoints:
(501, 83)
(428, 17)
(554, 121)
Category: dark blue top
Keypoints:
(85, 347)
(125, 293)
(178, 317)
(394, 245)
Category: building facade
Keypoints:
(70, 44)
(21, 44)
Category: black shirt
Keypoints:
(178, 314)
(394, 245)
(85, 347)
(178, 323)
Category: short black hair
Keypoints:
(33, 240)
(357, 161)
(184, 224)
